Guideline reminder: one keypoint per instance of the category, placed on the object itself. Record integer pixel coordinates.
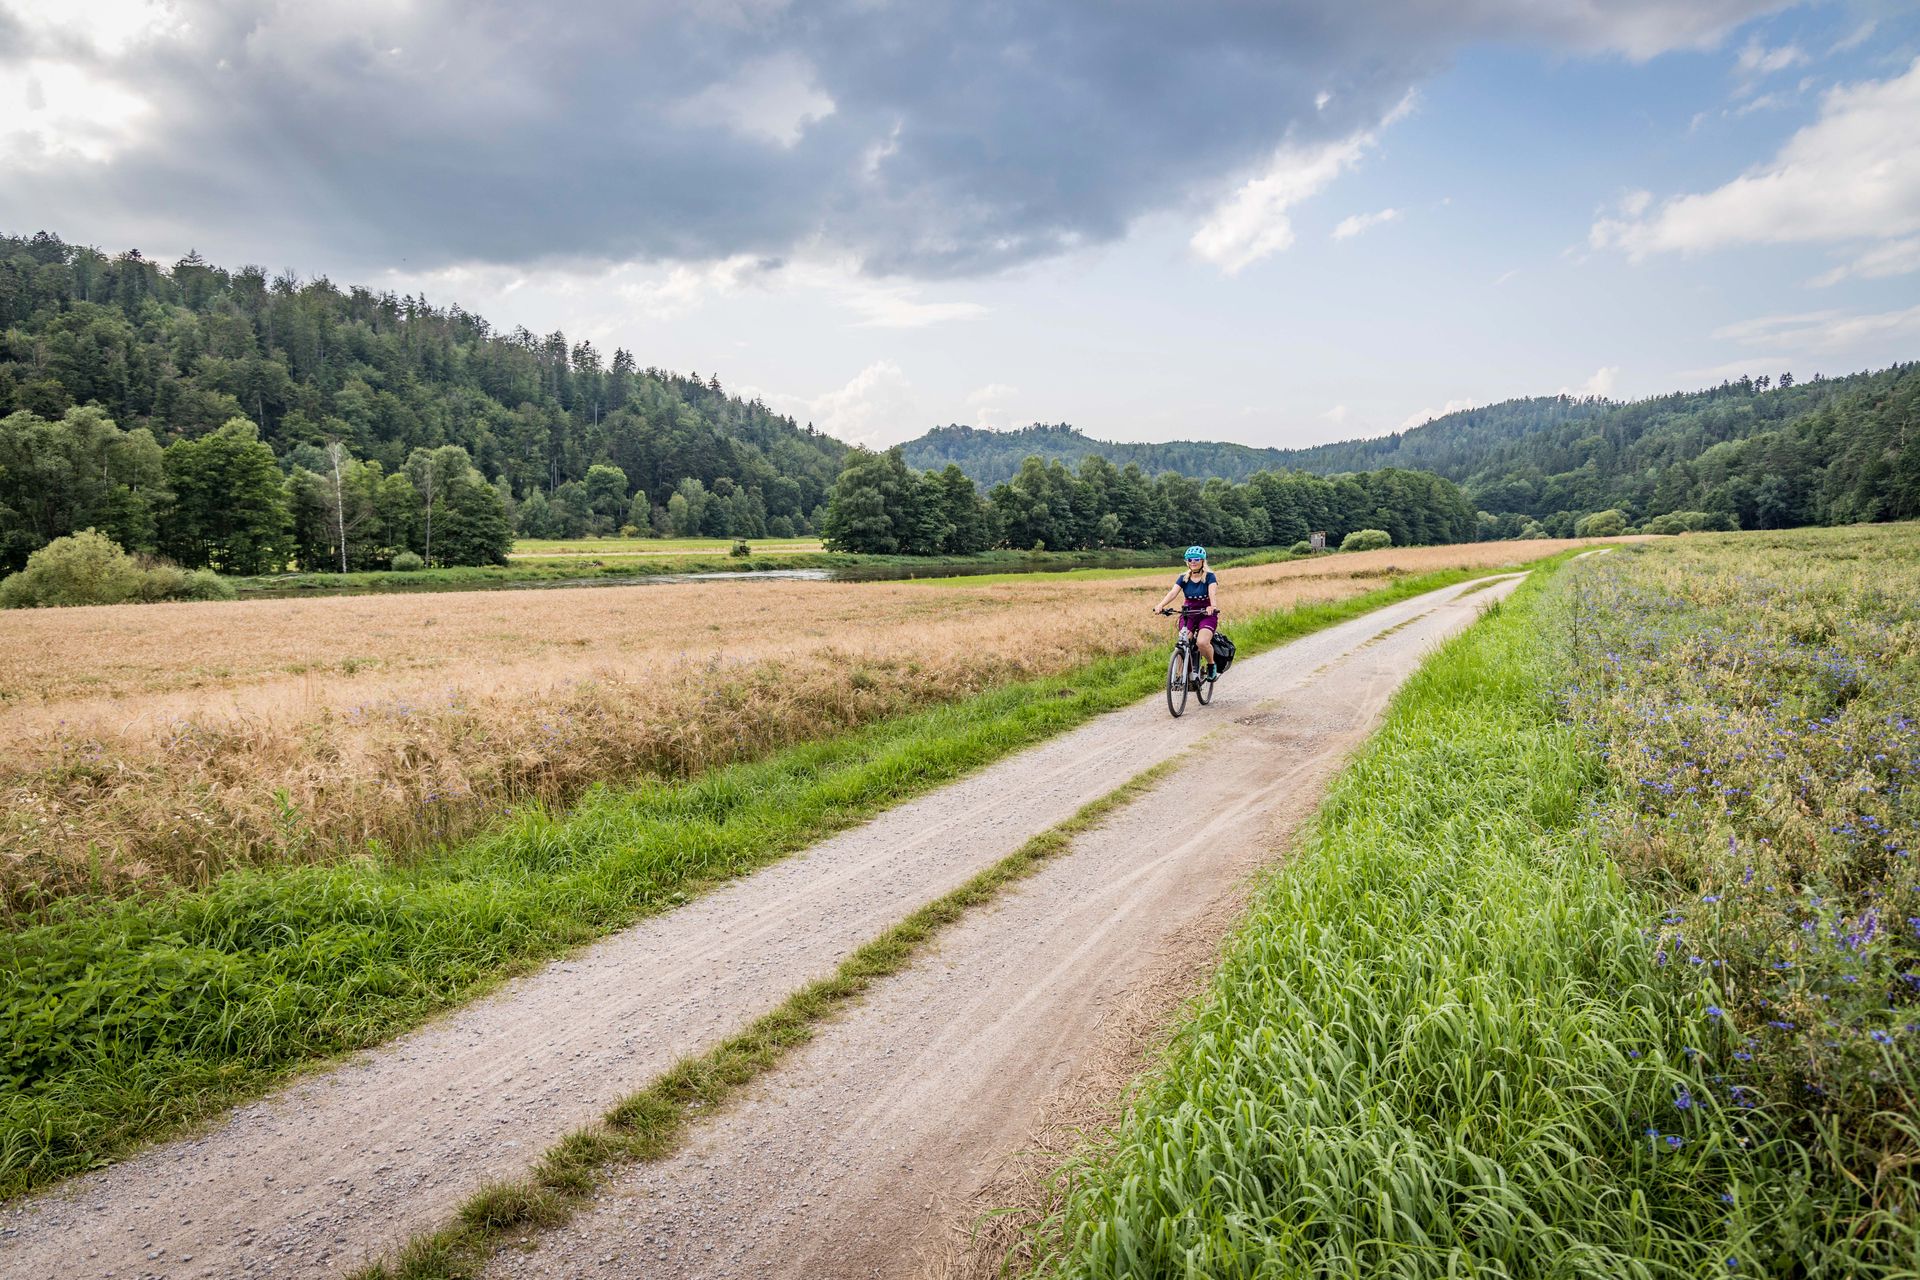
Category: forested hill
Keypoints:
(1762, 453)
(181, 350)
(991, 457)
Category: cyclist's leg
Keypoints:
(1204, 638)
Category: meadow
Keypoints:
(172, 742)
(1600, 960)
(125, 1016)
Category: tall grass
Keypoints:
(172, 743)
(120, 1021)
(1441, 1046)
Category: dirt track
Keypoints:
(845, 1162)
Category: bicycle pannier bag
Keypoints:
(1222, 652)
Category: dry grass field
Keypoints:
(154, 743)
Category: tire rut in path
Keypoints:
(337, 1169)
(866, 1153)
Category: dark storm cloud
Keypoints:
(923, 137)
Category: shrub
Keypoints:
(1689, 522)
(90, 568)
(1601, 524)
(408, 562)
(629, 531)
(84, 568)
(205, 584)
(1302, 548)
(740, 548)
(1366, 540)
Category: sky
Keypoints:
(1278, 223)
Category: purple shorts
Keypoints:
(1200, 621)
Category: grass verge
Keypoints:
(1442, 1045)
(121, 1023)
(651, 1123)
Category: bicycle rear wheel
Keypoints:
(1177, 680)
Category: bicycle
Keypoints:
(1185, 671)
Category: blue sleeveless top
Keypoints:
(1196, 593)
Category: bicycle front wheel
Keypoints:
(1177, 680)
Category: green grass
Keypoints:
(122, 1022)
(652, 1123)
(1441, 1046)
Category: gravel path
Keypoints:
(337, 1169)
(864, 1154)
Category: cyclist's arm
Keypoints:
(1167, 599)
(1213, 595)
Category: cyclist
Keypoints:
(1200, 605)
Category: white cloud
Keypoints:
(988, 406)
(1252, 223)
(1428, 415)
(1853, 174)
(774, 99)
(1337, 415)
(1758, 60)
(56, 110)
(1824, 331)
(1321, 99)
(1505, 276)
(1894, 258)
(1354, 224)
(1855, 38)
(878, 407)
(1601, 384)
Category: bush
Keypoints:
(205, 584)
(90, 568)
(1689, 522)
(1601, 524)
(629, 530)
(1366, 540)
(1302, 548)
(408, 562)
(740, 548)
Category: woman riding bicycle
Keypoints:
(1200, 605)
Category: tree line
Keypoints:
(223, 501)
(550, 425)
(882, 505)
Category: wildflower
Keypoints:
(1683, 1101)
(1881, 1037)
(1715, 1011)
(1675, 1142)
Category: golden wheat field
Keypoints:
(168, 742)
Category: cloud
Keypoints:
(876, 408)
(1253, 224)
(1853, 174)
(1601, 384)
(1894, 258)
(1353, 224)
(1757, 60)
(1825, 332)
(1428, 415)
(938, 139)
(989, 407)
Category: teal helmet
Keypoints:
(1196, 553)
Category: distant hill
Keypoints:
(993, 456)
(1766, 453)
